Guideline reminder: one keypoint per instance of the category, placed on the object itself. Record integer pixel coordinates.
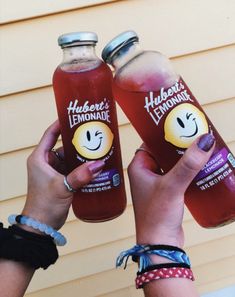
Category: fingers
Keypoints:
(49, 138)
(143, 161)
(194, 159)
(56, 160)
(83, 174)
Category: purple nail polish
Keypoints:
(206, 142)
(96, 166)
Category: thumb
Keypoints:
(193, 160)
(83, 174)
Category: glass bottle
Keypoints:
(87, 114)
(168, 118)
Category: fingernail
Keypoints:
(206, 142)
(96, 166)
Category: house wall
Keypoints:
(199, 37)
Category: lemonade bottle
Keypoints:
(168, 118)
(87, 113)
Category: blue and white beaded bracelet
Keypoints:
(58, 238)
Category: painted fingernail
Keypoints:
(96, 166)
(206, 142)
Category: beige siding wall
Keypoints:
(199, 37)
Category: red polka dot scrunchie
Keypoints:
(172, 272)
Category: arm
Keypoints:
(158, 202)
(15, 278)
(48, 201)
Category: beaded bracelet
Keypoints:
(163, 273)
(58, 238)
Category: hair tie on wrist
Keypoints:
(58, 238)
(143, 252)
(163, 265)
(179, 268)
(37, 251)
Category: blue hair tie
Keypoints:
(143, 252)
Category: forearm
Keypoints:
(15, 278)
(170, 288)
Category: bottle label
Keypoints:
(85, 112)
(93, 139)
(176, 112)
(106, 180)
(216, 169)
(175, 106)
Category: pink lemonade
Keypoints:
(168, 118)
(89, 128)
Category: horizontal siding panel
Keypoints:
(222, 115)
(27, 9)
(212, 250)
(102, 283)
(17, 160)
(19, 112)
(136, 293)
(209, 74)
(107, 255)
(90, 263)
(15, 205)
(231, 146)
(11, 206)
(201, 25)
(24, 117)
(209, 273)
(217, 285)
(119, 293)
(195, 234)
(13, 169)
(82, 236)
(21, 115)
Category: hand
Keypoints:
(48, 200)
(158, 199)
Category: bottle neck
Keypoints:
(125, 54)
(79, 52)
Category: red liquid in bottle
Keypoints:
(168, 118)
(87, 115)
(208, 208)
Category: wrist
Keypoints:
(42, 216)
(160, 236)
(30, 229)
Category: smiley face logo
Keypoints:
(184, 124)
(93, 140)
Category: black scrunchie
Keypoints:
(16, 244)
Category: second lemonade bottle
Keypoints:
(168, 118)
(87, 113)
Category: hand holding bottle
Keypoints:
(159, 199)
(48, 199)
(168, 118)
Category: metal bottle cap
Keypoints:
(118, 42)
(70, 38)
